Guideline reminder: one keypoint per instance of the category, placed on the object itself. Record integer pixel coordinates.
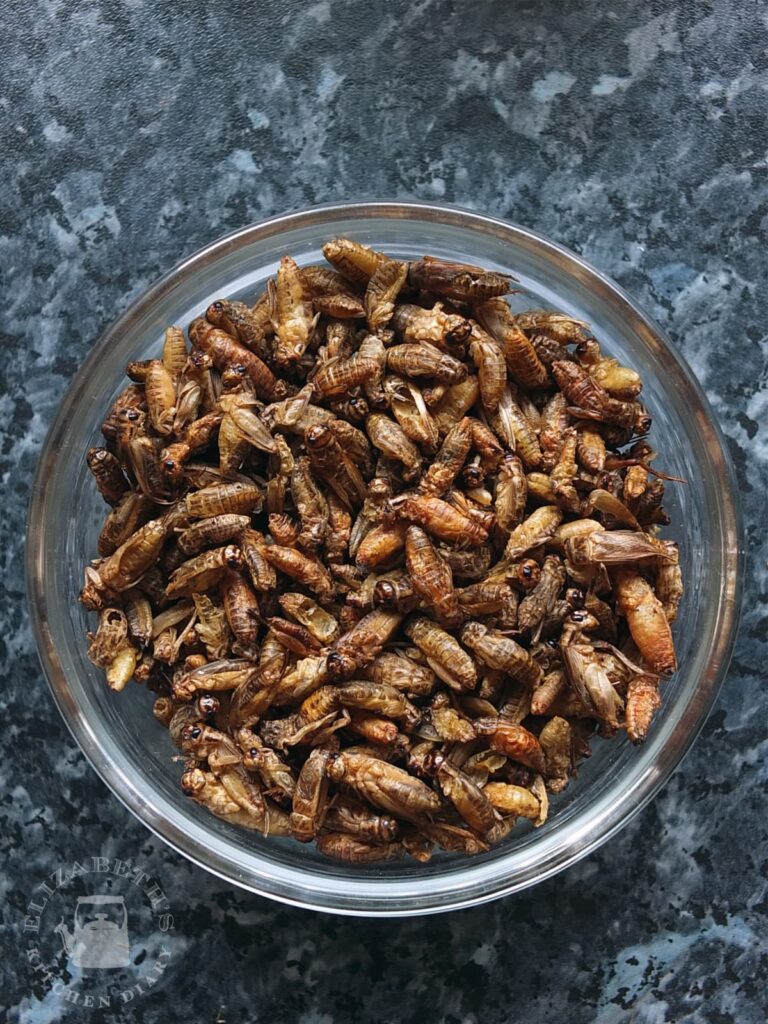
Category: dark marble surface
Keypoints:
(134, 132)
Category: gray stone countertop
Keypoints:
(133, 133)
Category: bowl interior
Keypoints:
(133, 752)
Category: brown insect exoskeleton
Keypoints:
(523, 363)
(447, 331)
(460, 281)
(293, 316)
(388, 553)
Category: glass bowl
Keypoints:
(131, 751)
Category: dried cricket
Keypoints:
(378, 544)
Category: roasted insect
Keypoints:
(292, 313)
(387, 554)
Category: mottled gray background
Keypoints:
(133, 133)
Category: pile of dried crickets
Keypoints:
(386, 552)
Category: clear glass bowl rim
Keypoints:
(474, 885)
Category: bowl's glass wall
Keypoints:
(132, 752)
